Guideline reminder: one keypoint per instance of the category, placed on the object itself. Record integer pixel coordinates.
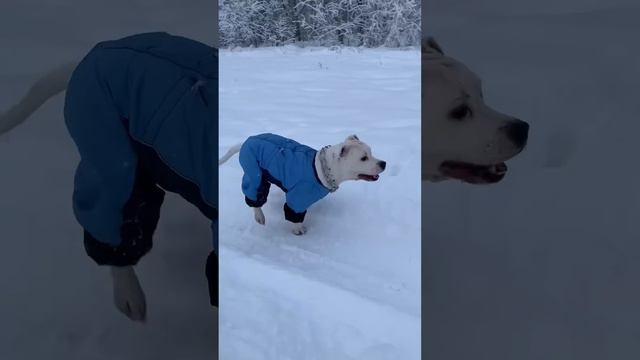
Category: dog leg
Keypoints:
(127, 293)
(258, 215)
(299, 229)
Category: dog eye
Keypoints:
(364, 158)
(460, 112)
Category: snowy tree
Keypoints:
(256, 22)
(391, 23)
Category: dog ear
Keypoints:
(430, 44)
(353, 137)
(344, 150)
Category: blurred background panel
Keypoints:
(542, 265)
(55, 303)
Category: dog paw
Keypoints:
(259, 216)
(299, 230)
(128, 295)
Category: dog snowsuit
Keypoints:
(143, 112)
(272, 159)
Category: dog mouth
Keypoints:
(472, 173)
(367, 177)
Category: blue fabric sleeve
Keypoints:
(300, 197)
(252, 173)
(105, 176)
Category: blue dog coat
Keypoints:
(272, 159)
(143, 112)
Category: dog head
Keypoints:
(353, 160)
(463, 138)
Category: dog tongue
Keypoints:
(474, 173)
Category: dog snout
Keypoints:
(518, 132)
(382, 164)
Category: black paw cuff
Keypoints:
(126, 254)
(293, 216)
(255, 203)
(212, 278)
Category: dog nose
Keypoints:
(382, 164)
(518, 132)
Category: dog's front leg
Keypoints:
(258, 215)
(128, 294)
(295, 217)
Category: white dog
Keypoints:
(304, 174)
(462, 137)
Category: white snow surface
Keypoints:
(350, 287)
(55, 302)
(545, 264)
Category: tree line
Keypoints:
(369, 23)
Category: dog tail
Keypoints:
(234, 150)
(49, 85)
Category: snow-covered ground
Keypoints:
(350, 287)
(545, 264)
(55, 303)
